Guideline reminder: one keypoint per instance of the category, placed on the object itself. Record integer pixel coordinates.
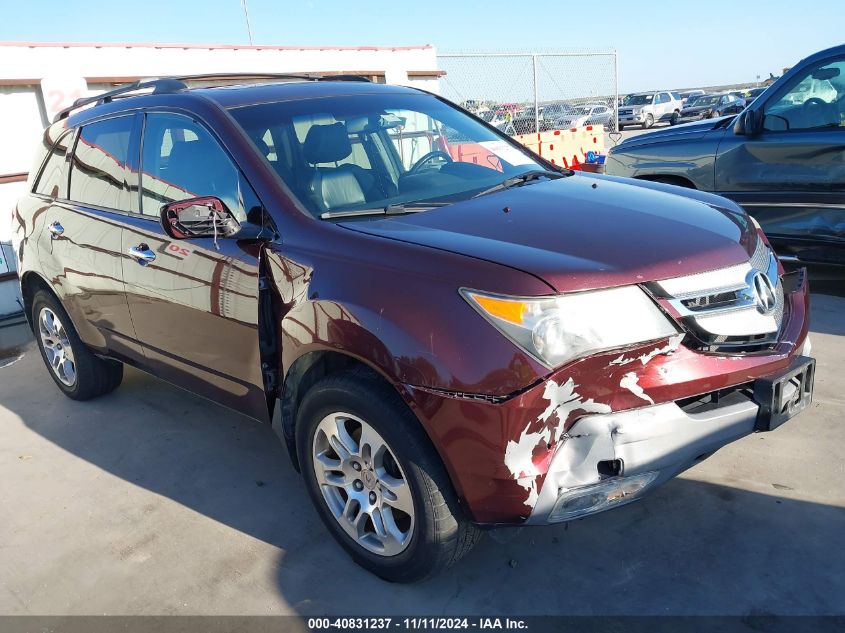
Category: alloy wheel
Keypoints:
(56, 345)
(363, 484)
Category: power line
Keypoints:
(246, 16)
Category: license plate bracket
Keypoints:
(786, 395)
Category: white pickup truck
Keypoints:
(647, 108)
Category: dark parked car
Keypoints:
(710, 106)
(751, 94)
(457, 334)
(781, 159)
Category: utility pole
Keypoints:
(248, 26)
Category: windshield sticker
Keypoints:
(506, 152)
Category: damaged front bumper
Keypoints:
(652, 445)
(611, 459)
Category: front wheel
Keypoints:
(649, 121)
(377, 482)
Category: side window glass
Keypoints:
(98, 168)
(52, 182)
(814, 102)
(181, 160)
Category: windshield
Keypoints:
(374, 151)
(704, 100)
(639, 99)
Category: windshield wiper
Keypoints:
(521, 179)
(391, 209)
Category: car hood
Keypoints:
(692, 130)
(583, 232)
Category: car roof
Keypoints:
(237, 95)
(247, 94)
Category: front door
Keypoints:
(791, 177)
(194, 303)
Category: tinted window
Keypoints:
(50, 182)
(98, 169)
(181, 160)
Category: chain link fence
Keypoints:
(521, 93)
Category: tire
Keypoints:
(428, 539)
(79, 374)
(621, 127)
(675, 118)
(649, 121)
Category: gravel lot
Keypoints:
(153, 501)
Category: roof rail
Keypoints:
(169, 85)
(160, 86)
(302, 76)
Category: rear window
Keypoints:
(50, 182)
(98, 169)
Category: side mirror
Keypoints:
(198, 217)
(748, 123)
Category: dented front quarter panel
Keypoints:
(499, 453)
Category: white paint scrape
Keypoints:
(630, 382)
(672, 345)
(563, 400)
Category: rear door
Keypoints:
(80, 248)
(194, 303)
(791, 177)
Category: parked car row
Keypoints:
(551, 116)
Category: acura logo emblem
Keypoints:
(764, 293)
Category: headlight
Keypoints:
(558, 329)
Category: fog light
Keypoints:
(579, 502)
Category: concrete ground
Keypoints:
(153, 501)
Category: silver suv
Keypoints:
(646, 108)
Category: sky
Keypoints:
(672, 45)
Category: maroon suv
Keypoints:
(459, 335)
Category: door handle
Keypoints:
(142, 254)
(56, 229)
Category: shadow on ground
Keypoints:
(692, 547)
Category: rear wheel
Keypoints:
(73, 367)
(377, 482)
(676, 116)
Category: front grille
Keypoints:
(722, 308)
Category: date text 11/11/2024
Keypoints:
(421, 623)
